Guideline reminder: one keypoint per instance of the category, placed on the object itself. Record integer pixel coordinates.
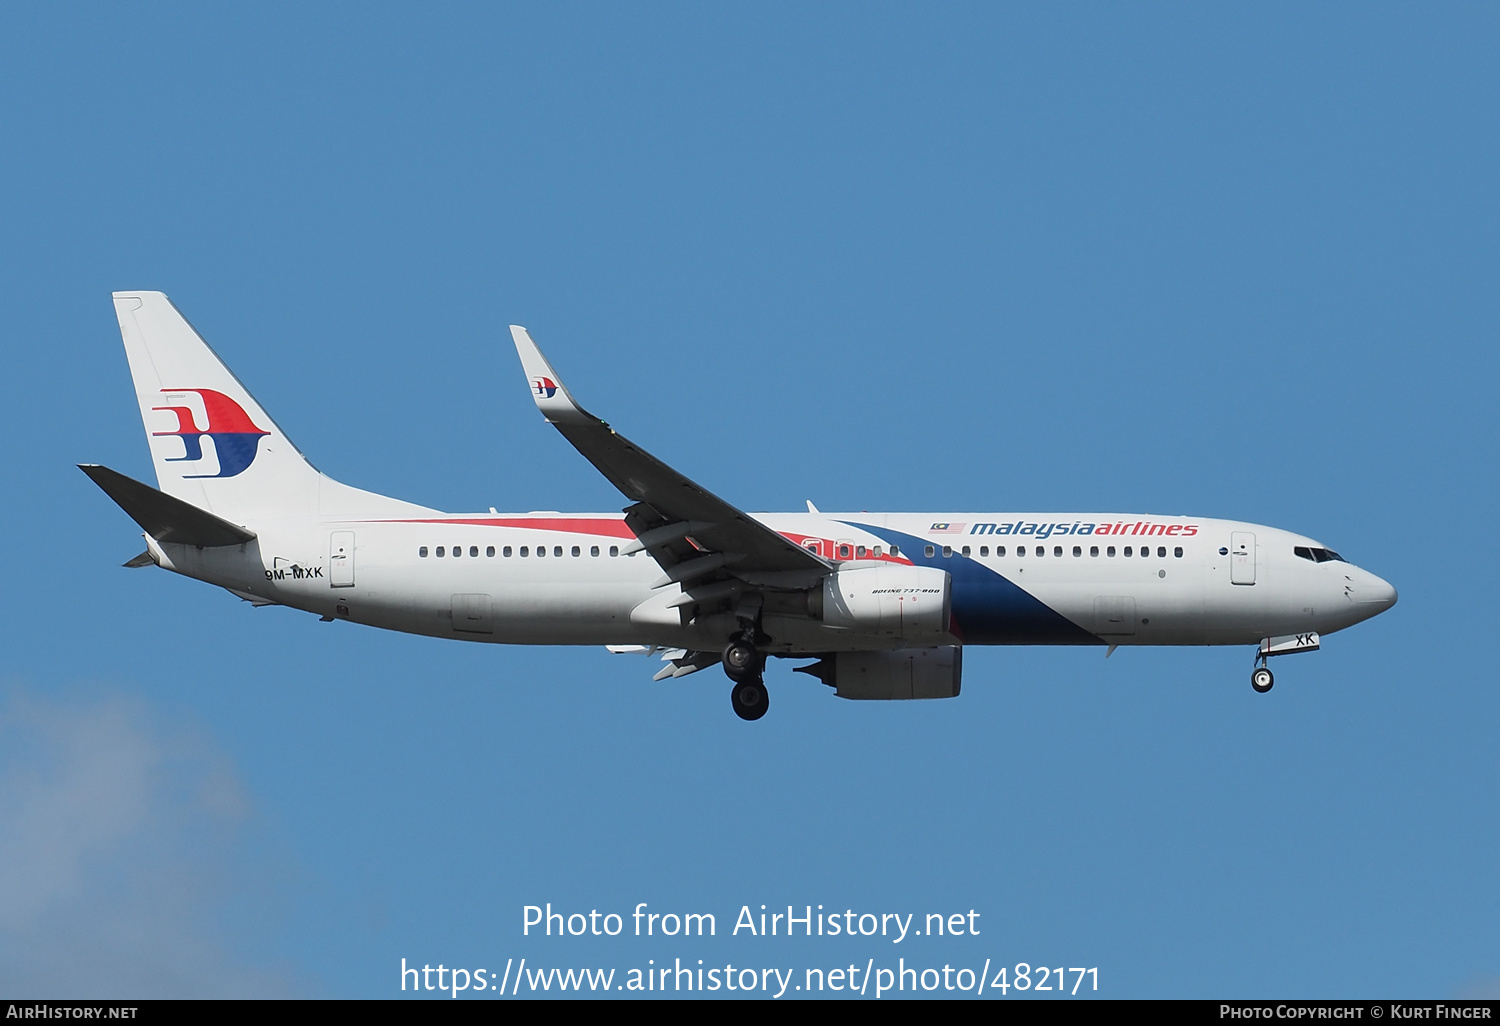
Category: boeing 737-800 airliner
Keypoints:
(884, 602)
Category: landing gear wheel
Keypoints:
(1261, 680)
(741, 661)
(750, 699)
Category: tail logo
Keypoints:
(545, 388)
(236, 438)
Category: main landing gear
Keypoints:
(744, 665)
(750, 699)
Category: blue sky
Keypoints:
(1234, 262)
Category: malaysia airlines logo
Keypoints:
(236, 438)
(545, 388)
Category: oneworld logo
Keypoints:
(545, 388)
(236, 438)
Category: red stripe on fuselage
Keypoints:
(571, 525)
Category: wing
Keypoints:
(693, 534)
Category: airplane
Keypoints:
(883, 603)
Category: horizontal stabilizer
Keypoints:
(168, 520)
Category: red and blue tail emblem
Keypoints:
(545, 388)
(236, 438)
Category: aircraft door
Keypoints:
(1241, 558)
(341, 559)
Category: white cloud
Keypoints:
(125, 857)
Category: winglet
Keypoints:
(551, 396)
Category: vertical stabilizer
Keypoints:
(211, 443)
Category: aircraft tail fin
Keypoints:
(212, 444)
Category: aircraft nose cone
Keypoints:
(1376, 592)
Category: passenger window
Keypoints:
(525, 552)
(1111, 552)
(984, 550)
(593, 550)
(1020, 550)
(577, 551)
(1077, 551)
(1057, 550)
(895, 550)
(860, 551)
(930, 551)
(614, 550)
(1129, 551)
(422, 552)
(506, 552)
(844, 552)
(440, 551)
(947, 551)
(489, 550)
(557, 550)
(966, 550)
(474, 550)
(1161, 552)
(1000, 551)
(1177, 552)
(1041, 550)
(541, 550)
(1093, 550)
(877, 552)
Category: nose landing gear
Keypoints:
(1285, 644)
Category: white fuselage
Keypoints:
(1016, 578)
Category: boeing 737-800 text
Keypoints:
(884, 602)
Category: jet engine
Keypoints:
(891, 601)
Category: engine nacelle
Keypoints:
(891, 601)
(902, 673)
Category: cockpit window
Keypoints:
(1317, 555)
